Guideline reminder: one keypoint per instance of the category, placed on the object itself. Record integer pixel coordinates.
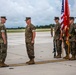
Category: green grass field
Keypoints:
(15, 30)
(23, 30)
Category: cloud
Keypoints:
(72, 9)
(73, 13)
(41, 11)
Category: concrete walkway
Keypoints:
(45, 63)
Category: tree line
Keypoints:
(37, 26)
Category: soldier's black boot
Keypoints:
(58, 56)
(31, 62)
(73, 57)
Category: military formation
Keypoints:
(29, 41)
(30, 33)
(69, 43)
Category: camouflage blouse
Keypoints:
(29, 32)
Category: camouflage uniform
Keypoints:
(3, 47)
(72, 39)
(57, 39)
(51, 31)
(65, 44)
(28, 39)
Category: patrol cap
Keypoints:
(4, 17)
(71, 18)
(27, 18)
(56, 18)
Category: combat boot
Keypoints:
(2, 64)
(66, 57)
(28, 61)
(58, 56)
(31, 62)
(73, 57)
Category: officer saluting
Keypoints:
(29, 40)
(3, 42)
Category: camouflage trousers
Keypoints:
(66, 47)
(30, 50)
(73, 47)
(52, 33)
(3, 52)
(58, 46)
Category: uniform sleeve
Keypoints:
(33, 28)
(75, 28)
(2, 29)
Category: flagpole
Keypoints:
(65, 23)
(67, 26)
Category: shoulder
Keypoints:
(74, 25)
(2, 28)
(58, 24)
(32, 26)
(1, 25)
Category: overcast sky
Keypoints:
(41, 11)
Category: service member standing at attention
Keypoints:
(30, 39)
(72, 38)
(3, 42)
(51, 29)
(57, 37)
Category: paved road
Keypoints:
(45, 63)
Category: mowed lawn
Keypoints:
(23, 30)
